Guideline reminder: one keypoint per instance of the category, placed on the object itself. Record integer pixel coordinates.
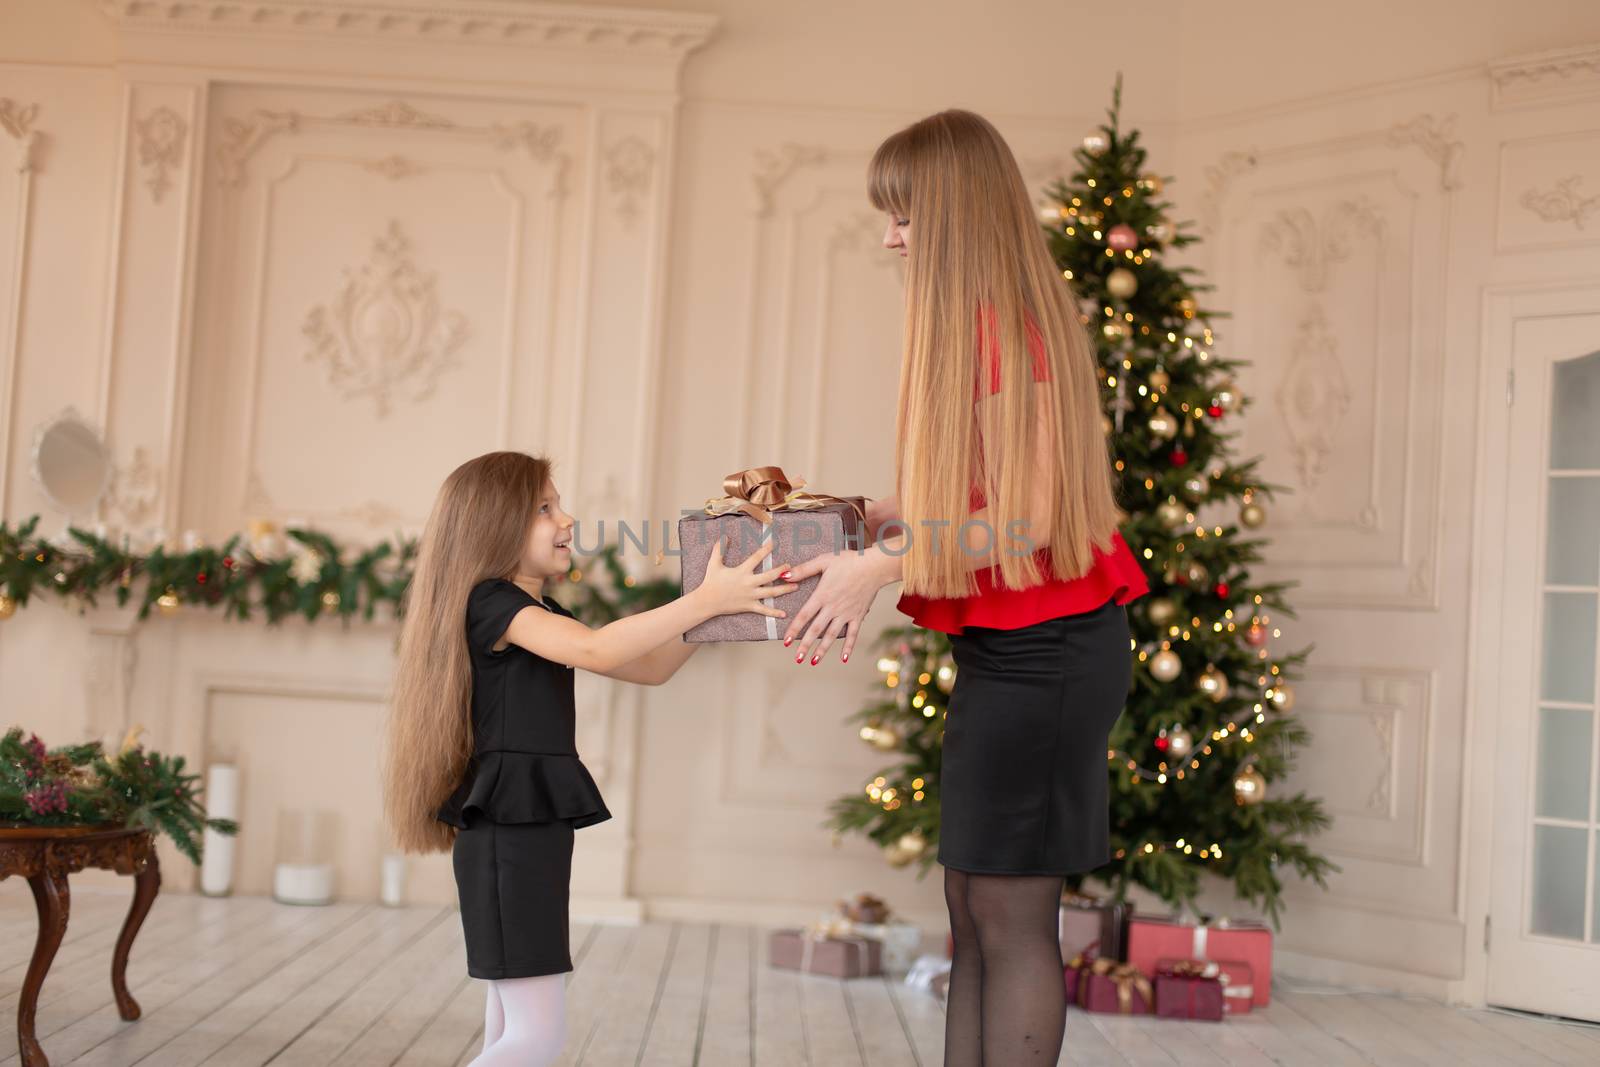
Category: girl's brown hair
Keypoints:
(978, 245)
(478, 529)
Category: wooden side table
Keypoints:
(45, 855)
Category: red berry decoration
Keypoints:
(227, 561)
(1214, 411)
(1222, 590)
(1163, 743)
(200, 578)
(1179, 457)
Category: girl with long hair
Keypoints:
(1007, 539)
(480, 756)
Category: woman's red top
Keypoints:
(1115, 575)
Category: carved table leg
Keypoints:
(54, 901)
(145, 884)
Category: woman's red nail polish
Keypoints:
(784, 577)
(814, 660)
(800, 658)
(846, 658)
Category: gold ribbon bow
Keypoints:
(759, 491)
(1127, 977)
(1193, 969)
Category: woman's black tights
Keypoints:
(1008, 999)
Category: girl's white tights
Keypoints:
(524, 1022)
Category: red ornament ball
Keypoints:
(1214, 411)
(1222, 590)
(227, 561)
(1256, 635)
(200, 579)
(1163, 743)
(1122, 237)
(1179, 457)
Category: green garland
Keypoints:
(78, 785)
(315, 577)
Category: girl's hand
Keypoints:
(741, 588)
(850, 583)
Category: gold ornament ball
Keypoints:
(912, 843)
(1197, 573)
(1172, 513)
(1095, 142)
(1249, 787)
(1282, 697)
(1122, 283)
(1158, 231)
(8, 606)
(1165, 665)
(1256, 635)
(1179, 743)
(1159, 380)
(1164, 426)
(1197, 485)
(1213, 683)
(167, 603)
(1252, 515)
(330, 599)
(1225, 396)
(897, 856)
(885, 737)
(1162, 610)
(1151, 183)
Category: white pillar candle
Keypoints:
(394, 879)
(222, 802)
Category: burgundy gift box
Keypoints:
(1105, 985)
(1086, 921)
(798, 531)
(838, 957)
(1150, 940)
(1189, 989)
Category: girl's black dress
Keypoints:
(524, 793)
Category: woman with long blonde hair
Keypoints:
(480, 756)
(1006, 537)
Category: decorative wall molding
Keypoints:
(384, 335)
(1435, 137)
(1546, 77)
(1562, 202)
(1218, 176)
(773, 168)
(630, 165)
(16, 121)
(475, 22)
(1313, 397)
(161, 135)
(135, 488)
(17, 124)
(242, 136)
(1312, 248)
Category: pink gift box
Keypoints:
(1150, 940)
(837, 957)
(1086, 922)
(797, 536)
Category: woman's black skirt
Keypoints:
(513, 881)
(1024, 787)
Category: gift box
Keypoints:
(901, 942)
(1152, 939)
(1238, 986)
(833, 954)
(1189, 989)
(759, 505)
(1086, 921)
(1114, 988)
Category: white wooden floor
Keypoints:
(247, 981)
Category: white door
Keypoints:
(1544, 951)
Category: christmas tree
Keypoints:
(1208, 727)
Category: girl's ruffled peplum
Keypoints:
(521, 787)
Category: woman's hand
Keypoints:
(741, 588)
(850, 583)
